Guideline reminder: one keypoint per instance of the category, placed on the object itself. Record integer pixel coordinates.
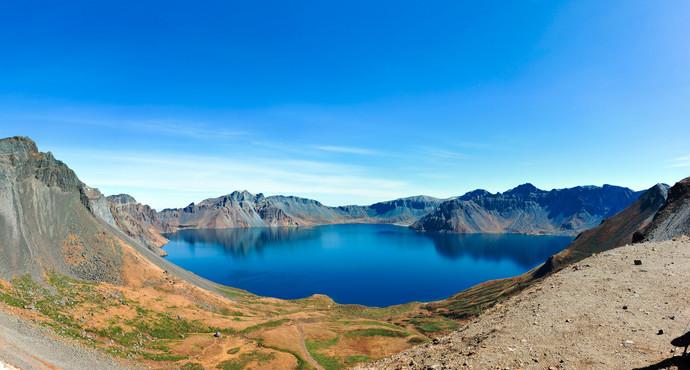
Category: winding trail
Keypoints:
(309, 359)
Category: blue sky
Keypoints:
(350, 102)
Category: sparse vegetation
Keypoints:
(433, 325)
(416, 340)
(150, 328)
(376, 332)
(355, 359)
(192, 366)
(316, 346)
(265, 325)
(245, 359)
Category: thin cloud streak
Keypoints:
(182, 128)
(445, 154)
(345, 150)
(679, 162)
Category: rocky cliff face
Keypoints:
(404, 210)
(138, 221)
(673, 219)
(52, 222)
(526, 209)
(238, 209)
(48, 218)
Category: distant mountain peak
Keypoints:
(121, 199)
(474, 194)
(524, 189)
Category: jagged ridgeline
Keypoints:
(47, 220)
(243, 209)
(524, 209)
(528, 210)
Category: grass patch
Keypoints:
(375, 313)
(227, 312)
(356, 359)
(416, 340)
(245, 359)
(191, 366)
(328, 362)
(236, 294)
(233, 351)
(162, 326)
(369, 323)
(162, 356)
(432, 326)
(264, 325)
(376, 332)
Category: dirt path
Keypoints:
(26, 346)
(309, 359)
(604, 313)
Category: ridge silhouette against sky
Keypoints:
(350, 102)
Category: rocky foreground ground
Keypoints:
(606, 312)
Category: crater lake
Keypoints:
(374, 265)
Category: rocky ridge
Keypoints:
(528, 210)
(242, 209)
(138, 221)
(673, 219)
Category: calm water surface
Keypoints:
(376, 265)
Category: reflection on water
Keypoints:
(367, 264)
(243, 242)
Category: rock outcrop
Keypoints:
(52, 222)
(138, 221)
(526, 209)
(673, 219)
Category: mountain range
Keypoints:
(524, 209)
(528, 210)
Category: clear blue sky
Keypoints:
(350, 101)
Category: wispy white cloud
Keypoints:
(444, 153)
(345, 149)
(190, 128)
(187, 129)
(679, 162)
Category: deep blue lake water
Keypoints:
(375, 265)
